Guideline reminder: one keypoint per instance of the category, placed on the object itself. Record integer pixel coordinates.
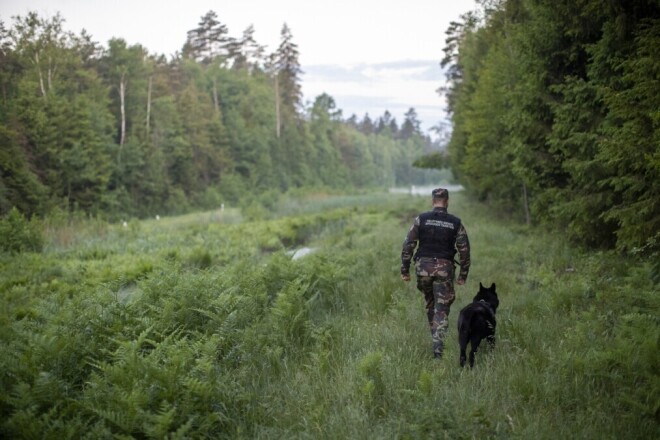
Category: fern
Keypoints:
(158, 425)
(182, 431)
(116, 419)
(260, 346)
(372, 390)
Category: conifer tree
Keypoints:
(288, 73)
(292, 150)
(541, 97)
(384, 122)
(247, 53)
(366, 125)
(209, 40)
(410, 126)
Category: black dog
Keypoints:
(477, 321)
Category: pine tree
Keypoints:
(366, 126)
(384, 122)
(292, 151)
(247, 53)
(410, 126)
(288, 71)
(209, 41)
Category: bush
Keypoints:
(17, 234)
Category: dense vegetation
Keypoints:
(203, 326)
(556, 114)
(116, 131)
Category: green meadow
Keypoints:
(205, 326)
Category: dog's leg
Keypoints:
(463, 334)
(474, 346)
(491, 341)
(463, 338)
(462, 342)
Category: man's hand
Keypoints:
(460, 281)
(405, 277)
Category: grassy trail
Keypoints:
(203, 328)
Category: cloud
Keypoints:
(428, 70)
(374, 88)
(388, 73)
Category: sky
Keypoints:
(369, 55)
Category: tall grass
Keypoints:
(203, 328)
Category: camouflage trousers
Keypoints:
(435, 279)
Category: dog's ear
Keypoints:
(480, 285)
(492, 286)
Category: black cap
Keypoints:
(440, 193)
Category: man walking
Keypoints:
(440, 235)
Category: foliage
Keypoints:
(204, 326)
(434, 161)
(120, 132)
(18, 234)
(17, 184)
(554, 107)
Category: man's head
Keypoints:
(440, 197)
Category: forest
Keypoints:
(556, 115)
(119, 132)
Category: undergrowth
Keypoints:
(205, 327)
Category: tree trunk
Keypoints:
(51, 71)
(149, 105)
(277, 107)
(528, 217)
(216, 102)
(41, 78)
(122, 92)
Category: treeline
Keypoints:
(555, 107)
(118, 131)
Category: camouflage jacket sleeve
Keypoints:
(463, 248)
(409, 245)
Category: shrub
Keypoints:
(17, 234)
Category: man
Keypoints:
(440, 235)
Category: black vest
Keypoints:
(437, 234)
